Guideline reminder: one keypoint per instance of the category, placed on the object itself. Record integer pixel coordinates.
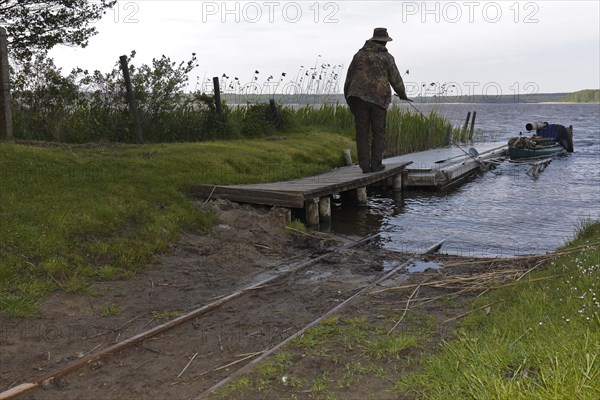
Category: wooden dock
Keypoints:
(447, 166)
(434, 169)
(311, 193)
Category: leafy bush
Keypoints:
(264, 119)
(92, 107)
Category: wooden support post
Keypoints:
(133, 106)
(466, 125)
(361, 196)
(6, 125)
(472, 125)
(217, 95)
(348, 157)
(312, 213)
(397, 183)
(325, 210)
(398, 197)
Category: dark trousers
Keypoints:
(368, 117)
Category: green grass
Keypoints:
(341, 353)
(77, 214)
(541, 340)
(110, 310)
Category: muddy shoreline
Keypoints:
(245, 246)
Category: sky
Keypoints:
(452, 47)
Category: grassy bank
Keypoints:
(539, 339)
(542, 340)
(74, 214)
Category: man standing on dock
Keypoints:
(367, 92)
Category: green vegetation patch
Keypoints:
(338, 356)
(75, 214)
(541, 340)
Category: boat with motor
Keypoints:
(547, 140)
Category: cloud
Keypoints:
(484, 41)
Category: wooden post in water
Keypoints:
(397, 183)
(133, 106)
(217, 90)
(6, 125)
(361, 196)
(466, 125)
(472, 126)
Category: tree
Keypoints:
(38, 25)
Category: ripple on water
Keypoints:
(496, 215)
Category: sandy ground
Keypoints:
(246, 246)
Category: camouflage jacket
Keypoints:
(370, 75)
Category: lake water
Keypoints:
(505, 214)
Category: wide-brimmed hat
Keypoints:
(381, 35)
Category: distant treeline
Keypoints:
(583, 96)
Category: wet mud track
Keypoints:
(190, 358)
(285, 281)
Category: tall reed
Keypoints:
(407, 132)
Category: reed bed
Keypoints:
(84, 107)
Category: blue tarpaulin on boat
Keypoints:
(549, 131)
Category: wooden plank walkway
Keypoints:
(295, 193)
(447, 166)
(436, 168)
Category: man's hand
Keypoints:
(403, 98)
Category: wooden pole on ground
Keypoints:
(217, 90)
(276, 115)
(133, 106)
(6, 126)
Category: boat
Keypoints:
(548, 140)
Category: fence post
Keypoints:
(217, 95)
(6, 126)
(131, 98)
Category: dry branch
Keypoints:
(405, 310)
(187, 365)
